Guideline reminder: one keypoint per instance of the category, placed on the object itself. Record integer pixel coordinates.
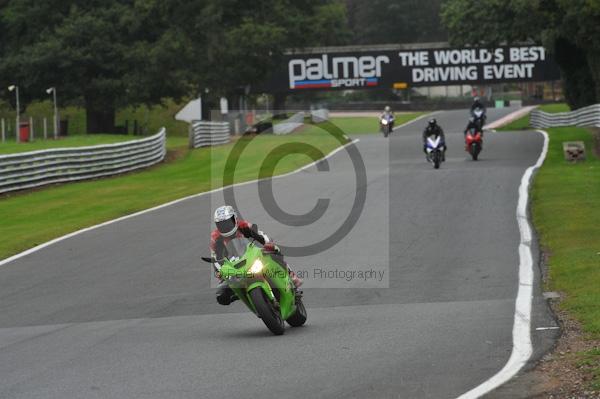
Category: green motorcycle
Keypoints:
(262, 284)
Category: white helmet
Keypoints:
(387, 108)
(226, 220)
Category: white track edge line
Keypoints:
(119, 219)
(522, 347)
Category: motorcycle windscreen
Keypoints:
(236, 248)
(433, 143)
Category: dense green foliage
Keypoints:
(395, 21)
(568, 28)
(108, 54)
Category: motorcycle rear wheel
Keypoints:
(267, 312)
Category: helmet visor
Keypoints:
(226, 226)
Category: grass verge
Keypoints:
(81, 141)
(367, 125)
(566, 214)
(69, 141)
(34, 217)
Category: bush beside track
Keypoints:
(34, 217)
(566, 214)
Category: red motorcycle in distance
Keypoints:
(474, 143)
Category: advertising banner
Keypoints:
(413, 68)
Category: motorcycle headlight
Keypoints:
(384, 121)
(257, 267)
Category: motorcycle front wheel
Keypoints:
(474, 151)
(299, 317)
(436, 160)
(267, 312)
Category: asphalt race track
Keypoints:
(126, 310)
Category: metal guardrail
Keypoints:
(319, 115)
(39, 168)
(289, 125)
(588, 116)
(206, 134)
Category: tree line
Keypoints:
(569, 29)
(108, 54)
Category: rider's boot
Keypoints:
(225, 295)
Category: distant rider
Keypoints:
(477, 103)
(230, 227)
(433, 129)
(387, 114)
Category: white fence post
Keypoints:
(55, 126)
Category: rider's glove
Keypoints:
(244, 226)
(270, 247)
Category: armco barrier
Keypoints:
(39, 168)
(289, 125)
(206, 134)
(319, 115)
(588, 116)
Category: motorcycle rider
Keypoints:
(474, 124)
(433, 129)
(477, 103)
(230, 227)
(387, 113)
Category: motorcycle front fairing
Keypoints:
(247, 268)
(472, 136)
(434, 144)
(387, 119)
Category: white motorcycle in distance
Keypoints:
(435, 151)
(386, 124)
